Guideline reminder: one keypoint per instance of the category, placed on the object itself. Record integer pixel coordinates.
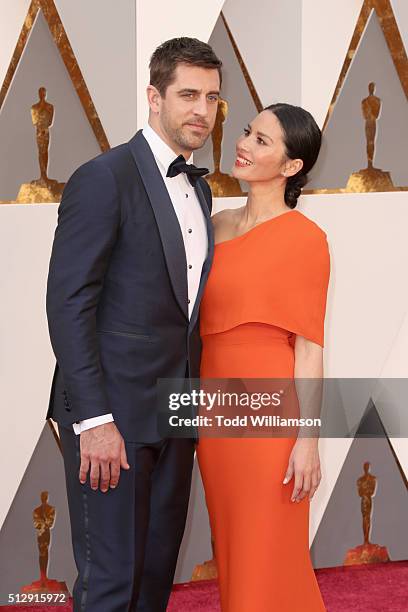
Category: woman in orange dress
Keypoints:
(262, 316)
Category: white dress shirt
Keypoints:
(193, 228)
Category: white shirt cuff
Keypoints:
(93, 422)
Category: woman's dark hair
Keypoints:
(169, 54)
(302, 139)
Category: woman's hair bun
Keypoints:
(294, 187)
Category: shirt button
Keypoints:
(188, 301)
(190, 266)
(186, 195)
(189, 230)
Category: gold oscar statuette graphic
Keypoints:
(44, 189)
(222, 185)
(370, 178)
(366, 552)
(44, 519)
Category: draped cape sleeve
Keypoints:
(306, 288)
(277, 273)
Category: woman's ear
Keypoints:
(292, 167)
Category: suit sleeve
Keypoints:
(88, 224)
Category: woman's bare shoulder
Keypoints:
(224, 217)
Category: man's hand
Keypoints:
(103, 451)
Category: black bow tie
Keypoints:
(180, 165)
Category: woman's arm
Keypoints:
(304, 461)
(308, 358)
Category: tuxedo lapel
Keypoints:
(166, 218)
(208, 261)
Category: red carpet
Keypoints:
(381, 587)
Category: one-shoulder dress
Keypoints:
(265, 287)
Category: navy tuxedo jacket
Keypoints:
(117, 292)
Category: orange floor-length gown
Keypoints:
(265, 287)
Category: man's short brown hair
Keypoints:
(171, 53)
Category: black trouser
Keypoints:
(126, 541)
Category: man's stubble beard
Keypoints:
(179, 137)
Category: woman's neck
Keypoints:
(265, 200)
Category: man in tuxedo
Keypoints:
(130, 258)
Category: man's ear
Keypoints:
(153, 97)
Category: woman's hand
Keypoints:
(304, 464)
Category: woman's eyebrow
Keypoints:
(260, 133)
(264, 136)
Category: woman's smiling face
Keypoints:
(261, 151)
